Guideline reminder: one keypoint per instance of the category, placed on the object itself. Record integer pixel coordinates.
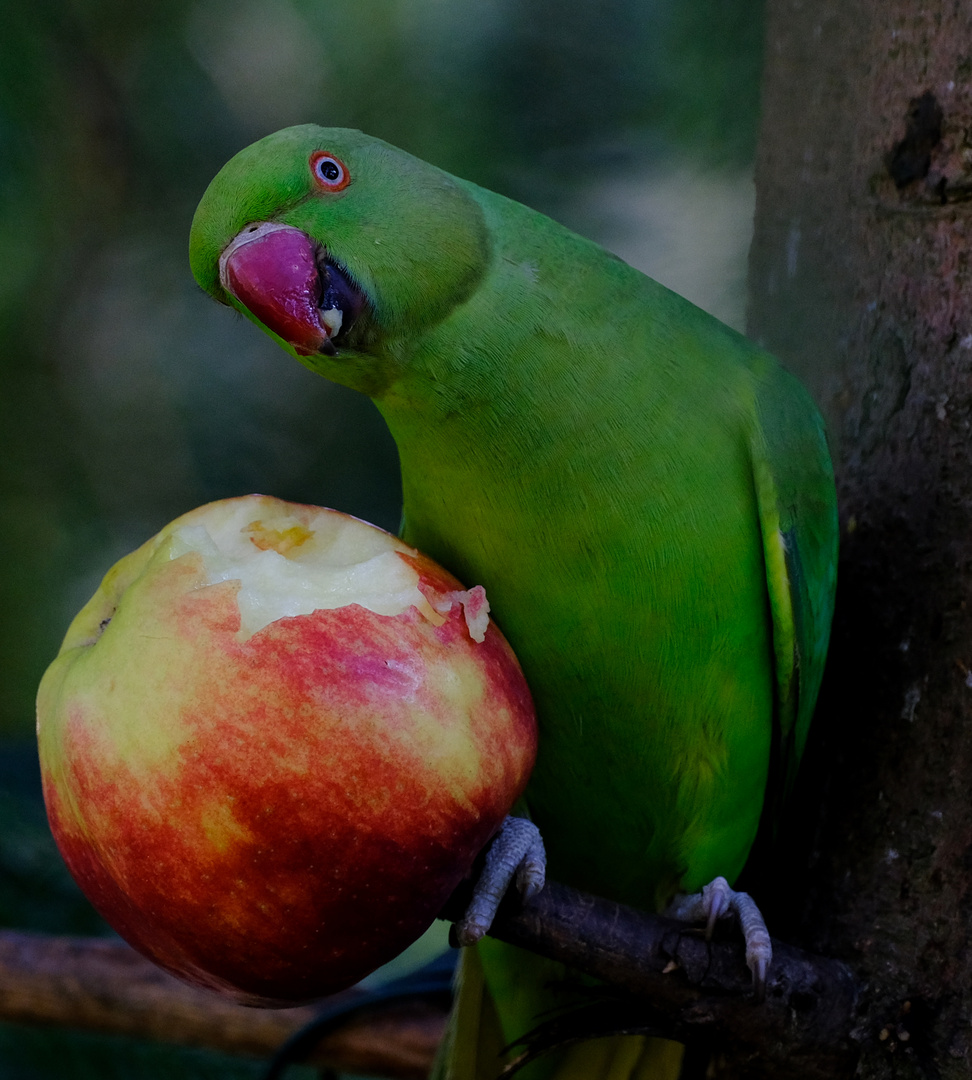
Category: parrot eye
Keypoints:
(330, 172)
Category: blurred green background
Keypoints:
(127, 398)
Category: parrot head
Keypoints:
(338, 245)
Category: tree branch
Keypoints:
(105, 986)
(700, 991)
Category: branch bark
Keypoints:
(701, 991)
(106, 986)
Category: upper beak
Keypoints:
(272, 270)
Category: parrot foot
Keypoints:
(716, 901)
(516, 851)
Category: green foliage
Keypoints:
(710, 69)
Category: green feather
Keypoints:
(646, 495)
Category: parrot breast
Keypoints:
(285, 280)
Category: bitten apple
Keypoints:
(274, 741)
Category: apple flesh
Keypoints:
(273, 743)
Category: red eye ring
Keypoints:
(329, 172)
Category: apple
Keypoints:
(274, 741)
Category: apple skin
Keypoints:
(274, 818)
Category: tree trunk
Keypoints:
(861, 283)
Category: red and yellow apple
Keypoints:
(274, 741)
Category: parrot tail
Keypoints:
(504, 1002)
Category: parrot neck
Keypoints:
(482, 423)
(549, 361)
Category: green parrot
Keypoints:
(646, 496)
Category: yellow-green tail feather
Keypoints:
(501, 994)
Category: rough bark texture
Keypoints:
(861, 282)
(680, 985)
(684, 987)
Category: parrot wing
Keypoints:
(797, 506)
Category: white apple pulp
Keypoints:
(291, 565)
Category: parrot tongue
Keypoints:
(273, 271)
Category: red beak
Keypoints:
(272, 270)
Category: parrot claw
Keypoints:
(716, 901)
(516, 851)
